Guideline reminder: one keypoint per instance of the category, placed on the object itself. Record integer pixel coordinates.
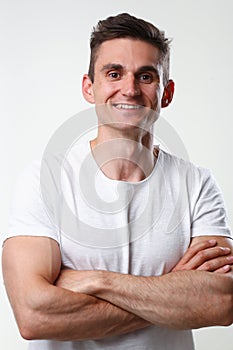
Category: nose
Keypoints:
(130, 86)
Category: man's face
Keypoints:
(128, 80)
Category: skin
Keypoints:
(121, 80)
(45, 310)
(50, 303)
(199, 298)
(42, 310)
(206, 308)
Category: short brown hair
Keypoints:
(122, 26)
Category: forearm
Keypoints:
(180, 300)
(31, 265)
(60, 314)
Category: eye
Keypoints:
(113, 75)
(146, 78)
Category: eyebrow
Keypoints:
(112, 66)
(117, 66)
(148, 69)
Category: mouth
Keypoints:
(127, 106)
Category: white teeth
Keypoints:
(126, 106)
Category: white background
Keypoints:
(44, 53)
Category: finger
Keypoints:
(224, 269)
(203, 257)
(217, 263)
(193, 250)
(207, 255)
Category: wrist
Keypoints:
(104, 281)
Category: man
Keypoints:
(166, 266)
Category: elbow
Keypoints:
(32, 316)
(29, 325)
(26, 333)
(30, 330)
(227, 319)
(218, 311)
(227, 304)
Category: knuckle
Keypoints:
(191, 250)
(221, 251)
(201, 254)
(208, 266)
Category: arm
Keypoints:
(180, 299)
(44, 311)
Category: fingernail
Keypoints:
(225, 249)
(230, 258)
(212, 241)
(226, 267)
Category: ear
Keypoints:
(168, 94)
(87, 89)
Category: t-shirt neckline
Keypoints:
(156, 149)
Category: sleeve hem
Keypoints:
(211, 231)
(30, 234)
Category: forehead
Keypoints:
(128, 52)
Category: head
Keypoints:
(127, 26)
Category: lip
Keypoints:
(127, 106)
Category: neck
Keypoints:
(125, 156)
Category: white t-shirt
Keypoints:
(141, 228)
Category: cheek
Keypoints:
(102, 92)
(153, 93)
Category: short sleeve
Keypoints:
(209, 214)
(27, 213)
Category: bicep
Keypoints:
(28, 263)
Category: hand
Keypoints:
(206, 256)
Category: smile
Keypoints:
(126, 106)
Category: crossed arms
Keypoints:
(50, 303)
